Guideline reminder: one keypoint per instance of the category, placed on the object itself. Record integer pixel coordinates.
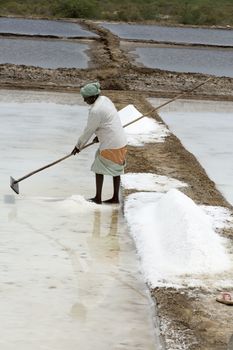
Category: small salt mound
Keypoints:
(149, 182)
(146, 130)
(77, 203)
(174, 237)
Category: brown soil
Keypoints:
(189, 318)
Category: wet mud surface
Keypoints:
(189, 318)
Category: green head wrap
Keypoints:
(91, 89)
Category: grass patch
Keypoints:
(193, 12)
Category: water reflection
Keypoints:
(109, 242)
(103, 248)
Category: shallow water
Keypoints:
(70, 276)
(196, 60)
(205, 129)
(171, 34)
(44, 53)
(42, 27)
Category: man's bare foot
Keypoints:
(112, 201)
(95, 200)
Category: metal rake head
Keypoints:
(14, 185)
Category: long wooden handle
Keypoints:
(44, 167)
(51, 164)
(169, 101)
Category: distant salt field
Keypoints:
(42, 27)
(205, 129)
(212, 61)
(171, 34)
(44, 53)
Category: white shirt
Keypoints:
(104, 122)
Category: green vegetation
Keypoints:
(199, 12)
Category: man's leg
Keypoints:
(116, 187)
(99, 179)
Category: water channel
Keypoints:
(215, 61)
(70, 275)
(205, 128)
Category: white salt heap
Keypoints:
(149, 182)
(174, 237)
(146, 130)
(77, 203)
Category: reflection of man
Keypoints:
(104, 122)
(96, 277)
(104, 247)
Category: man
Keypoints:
(104, 122)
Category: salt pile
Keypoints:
(149, 182)
(146, 130)
(77, 203)
(174, 237)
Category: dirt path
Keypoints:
(189, 319)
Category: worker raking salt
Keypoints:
(104, 122)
